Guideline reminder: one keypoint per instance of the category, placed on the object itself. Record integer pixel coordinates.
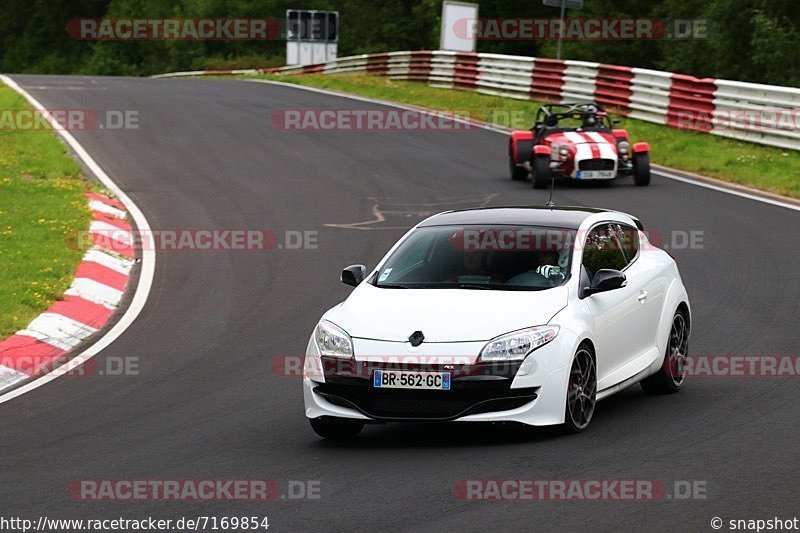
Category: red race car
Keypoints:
(576, 141)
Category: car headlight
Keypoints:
(623, 147)
(563, 152)
(332, 340)
(516, 345)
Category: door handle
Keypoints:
(642, 296)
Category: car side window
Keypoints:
(602, 249)
(629, 239)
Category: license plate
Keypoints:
(398, 379)
(594, 174)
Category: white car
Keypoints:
(506, 314)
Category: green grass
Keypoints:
(42, 209)
(762, 167)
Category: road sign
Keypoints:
(456, 18)
(569, 4)
(311, 36)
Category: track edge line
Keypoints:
(146, 273)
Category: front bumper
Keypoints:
(475, 388)
(532, 392)
(614, 168)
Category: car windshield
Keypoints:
(480, 257)
(578, 118)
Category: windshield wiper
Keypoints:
(438, 286)
(473, 286)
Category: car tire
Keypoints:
(581, 391)
(329, 427)
(672, 374)
(541, 171)
(518, 172)
(641, 169)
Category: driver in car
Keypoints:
(474, 266)
(545, 266)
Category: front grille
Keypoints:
(338, 370)
(403, 404)
(475, 388)
(596, 164)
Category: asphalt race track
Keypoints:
(207, 403)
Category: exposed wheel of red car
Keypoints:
(329, 427)
(517, 172)
(641, 168)
(541, 171)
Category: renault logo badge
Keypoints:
(416, 338)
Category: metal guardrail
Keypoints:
(762, 114)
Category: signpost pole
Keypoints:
(561, 29)
(563, 5)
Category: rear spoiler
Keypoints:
(636, 220)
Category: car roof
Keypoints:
(569, 217)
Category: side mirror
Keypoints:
(354, 274)
(606, 279)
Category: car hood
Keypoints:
(588, 145)
(583, 137)
(443, 315)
